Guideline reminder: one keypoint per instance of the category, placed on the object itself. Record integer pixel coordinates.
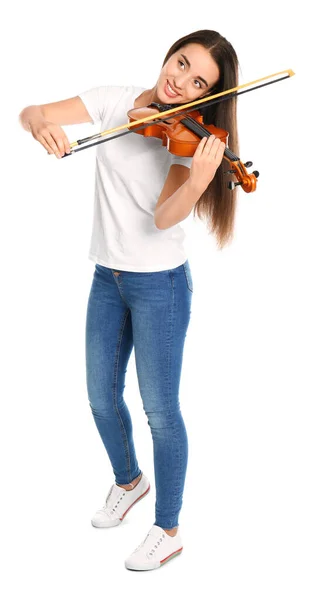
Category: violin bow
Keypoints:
(207, 101)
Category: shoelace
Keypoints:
(111, 510)
(150, 551)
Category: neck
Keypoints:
(151, 96)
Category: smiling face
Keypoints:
(191, 72)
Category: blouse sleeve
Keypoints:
(181, 160)
(100, 99)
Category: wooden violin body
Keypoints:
(177, 138)
(181, 137)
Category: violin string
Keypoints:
(158, 119)
(199, 129)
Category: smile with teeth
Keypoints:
(170, 90)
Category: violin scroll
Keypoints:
(246, 180)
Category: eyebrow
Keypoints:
(189, 64)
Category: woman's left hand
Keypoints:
(206, 159)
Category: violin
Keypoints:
(181, 136)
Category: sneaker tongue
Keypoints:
(118, 487)
(113, 493)
(156, 531)
(109, 493)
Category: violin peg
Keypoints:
(232, 184)
(248, 164)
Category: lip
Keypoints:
(166, 90)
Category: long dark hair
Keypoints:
(218, 204)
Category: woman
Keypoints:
(142, 286)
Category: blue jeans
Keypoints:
(150, 311)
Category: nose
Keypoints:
(178, 83)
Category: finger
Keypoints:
(63, 144)
(214, 148)
(208, 148)
(45, 144)
(60, 145)
(67, 145)
(201, 146)
(53, 144)
(219, 147)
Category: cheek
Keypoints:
(170, 67)
(165, 73)
(194, 93)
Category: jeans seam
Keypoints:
(125, 439)
(169, 357)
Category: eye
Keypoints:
(181, 63)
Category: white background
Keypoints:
(255, 388)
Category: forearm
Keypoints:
(178, 206)
(30, 113)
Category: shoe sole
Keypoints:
(162, 562)
(126, 512)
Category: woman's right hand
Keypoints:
(51, 136)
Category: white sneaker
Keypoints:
(157, 548)
(118, 503)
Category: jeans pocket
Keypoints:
(188, 275)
